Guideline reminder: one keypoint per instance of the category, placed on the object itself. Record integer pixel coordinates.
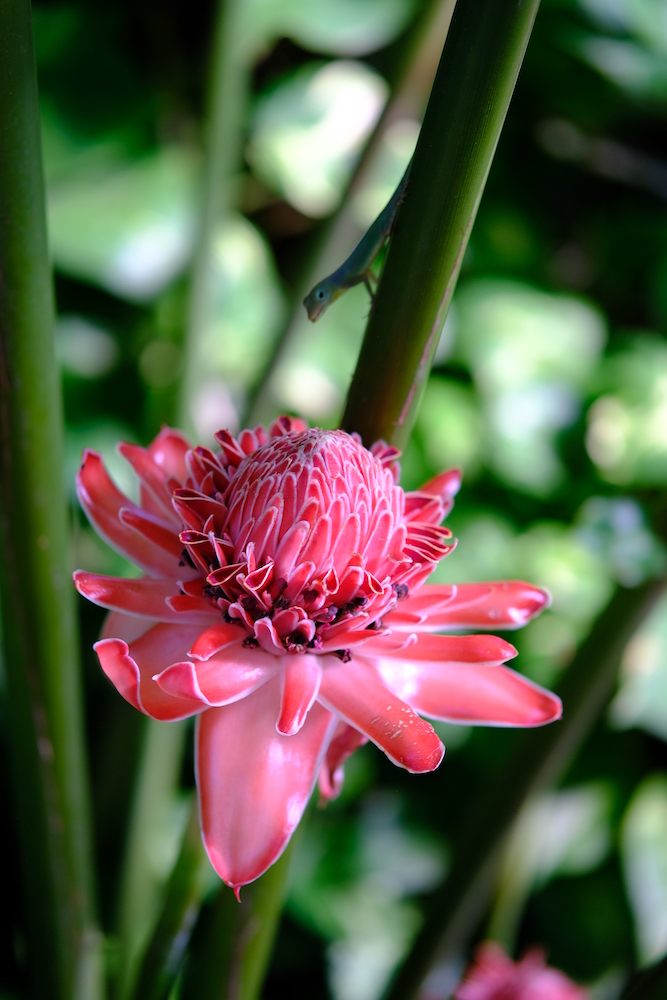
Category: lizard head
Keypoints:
(320, 298)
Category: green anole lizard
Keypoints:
(357, 267)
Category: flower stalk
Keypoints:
(43, 692)
(163, 957)
(415, 75)
(157, 779)
(539, 758)
(230, 960)
(471, 94)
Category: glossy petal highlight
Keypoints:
(253, 782)
(356, 692)
(471, 693)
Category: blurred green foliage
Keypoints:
(550, 391)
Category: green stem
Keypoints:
(38, 611)
(465, 114)
(230, 960)
(415, 78)
(164, 954)
(649, 984)
(228, 96)
(539, 758)
(141, 882)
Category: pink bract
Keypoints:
(284, 604)
(494, 976)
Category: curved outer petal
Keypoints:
(489, 649)
(471, 693)
(344, 742)
(224, 678)
(145, 598)
(168, 450)
(253, 782)
(508, 604)
(356, 692)
(102, 502)
(214, 639)
(131, 669)
(118, 625)
(301, 682)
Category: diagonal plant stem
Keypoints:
(230, 959)
(39, 625)
(465, 114)
(161, 962)
(140, 884)
(415, 78)
(539, 758)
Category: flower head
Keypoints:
(283, 602)
(494, 976)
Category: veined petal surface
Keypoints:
(254, 783)
(357, 693)
(471, 693)
(131, 668)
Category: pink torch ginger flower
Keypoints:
(494, 976)
(284, 604)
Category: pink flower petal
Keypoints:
(507, 604)
(253, 782)
(442, 648)
(131, 669)
(154, 528)
(192, 610)
(356, 692)
(102, 502)
(301, 682)
(344, 742)
(268, 638)
(152, 476)
(445, 484)
(474, 693)
(214, 639)
(494, 976)
(222, 679)
(118, 625)
(146, 598)
(168, 451)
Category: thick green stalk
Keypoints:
(141, 884)
(649, 984)
(164, 954)
(38, 612)
(465, 114)
(415, 79)
(230, 960)
(228, 94)
(539, 758)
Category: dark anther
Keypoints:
(359, 602)
(343, 654)
(374, 626)
(281, 604)
(186, 559)
(249, 603)
(401, 591)
(250, 642)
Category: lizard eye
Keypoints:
(321, 294)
